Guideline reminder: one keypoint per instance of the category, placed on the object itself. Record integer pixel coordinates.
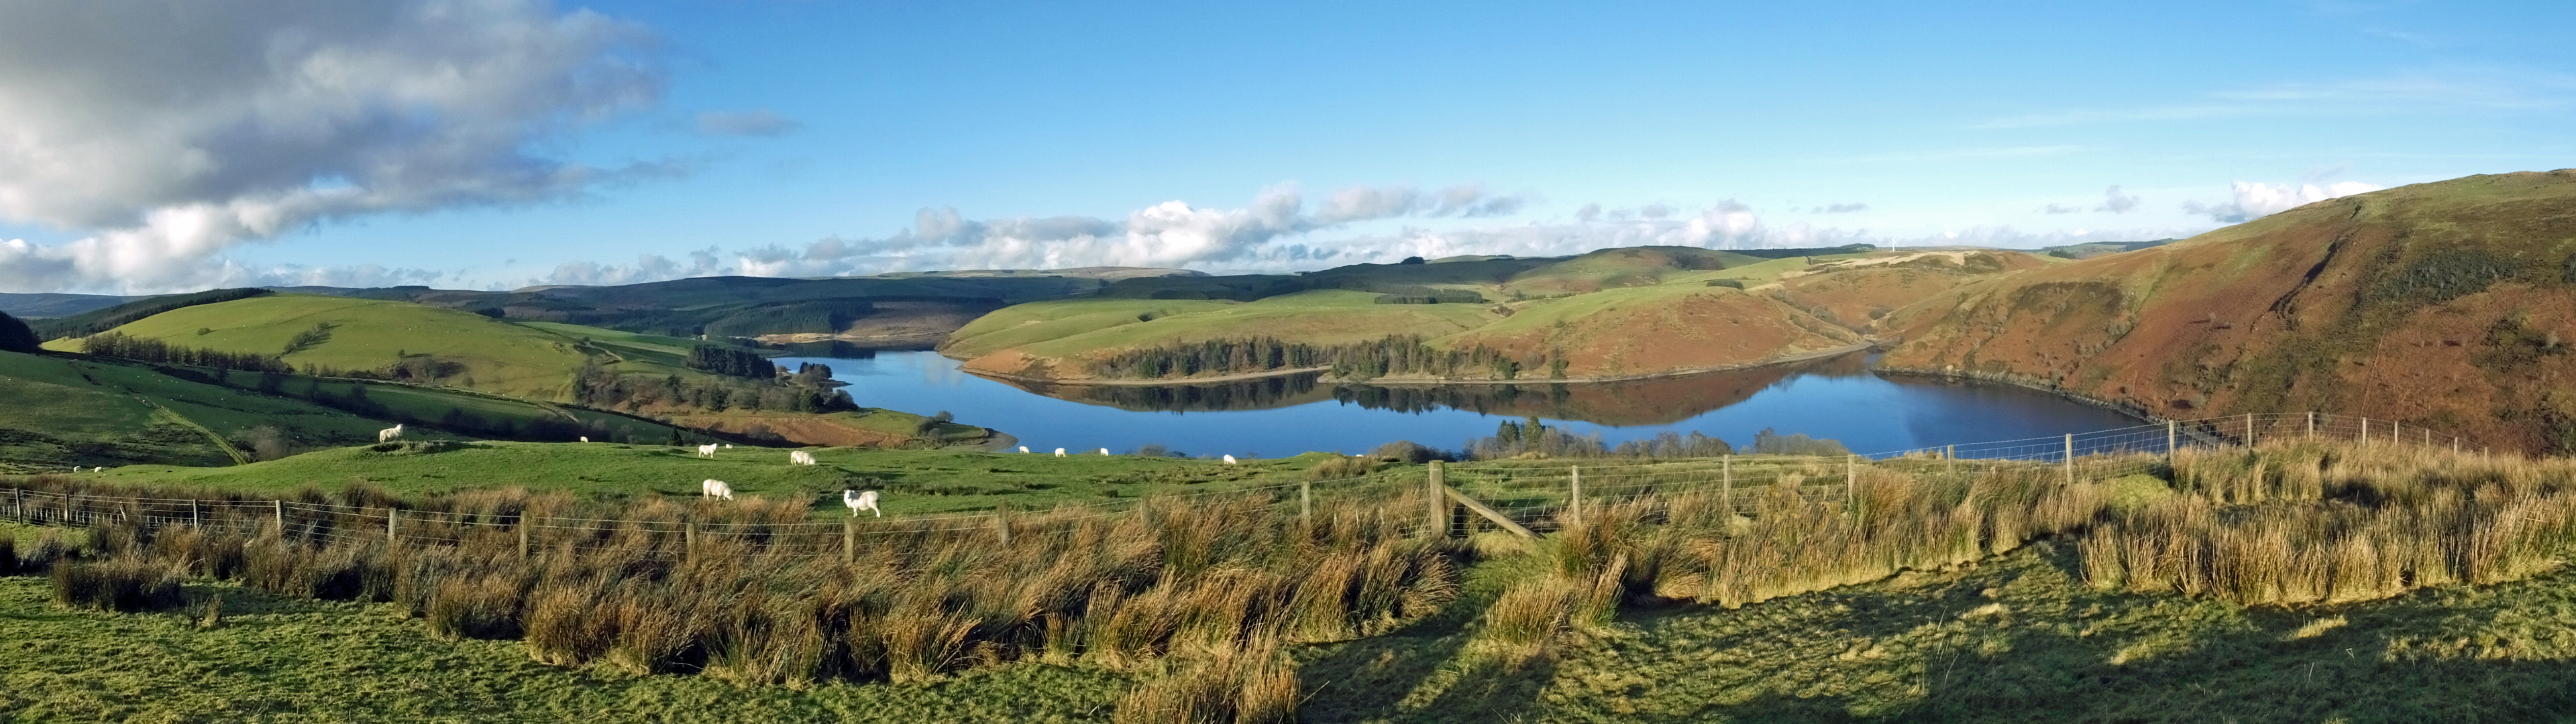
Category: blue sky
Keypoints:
(636, 141)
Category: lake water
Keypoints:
(1837, 398)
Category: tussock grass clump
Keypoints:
(121, 584)
(1254, 685)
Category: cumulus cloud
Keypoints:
(745, 123)
(2060, 209)
(1168, 234)
(2115, 202)
(2254, 200)
(1841, 208)
(172, 130)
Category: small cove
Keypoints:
(1837, 398)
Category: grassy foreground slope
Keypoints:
(2447, 305)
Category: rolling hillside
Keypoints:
(65, 412)
(2447, 305)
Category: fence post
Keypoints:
(18, 500)
(393, 516)
(1726, 484)
(689, 540)
(1574, 493)
(524, 522)
(2249, 429)
(277, 512)
(1002, 521)
(1439, 512)
(195, 520)
(850, 539)
(2070, 458)
(2312, 424)
(1851, 483)
(2365, 429)
(2169, 442)
(1950, 456)
(1306, 502)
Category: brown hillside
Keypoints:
(1660, 332)
(2446, 305)
(1857, 293)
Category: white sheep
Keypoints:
(728, 446)
(1059, 452)
(714, 488)
(1229, 460)
(858, 499)
(707, 451)
(1024, 449)
(389, 433)
(585, 438)
(799, 457)
(1104, 451)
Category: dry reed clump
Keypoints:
(752, 594)
(2304, 522)
(120, 584)
(1250, 685)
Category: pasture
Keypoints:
(64, 412)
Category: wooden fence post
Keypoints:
(2169, 442)
(1002, 521)
(277, 513)
(2249, 429)
(18, 502)
(850, 539)
(1851, 483)
(393, 517)
(1439, 503)
(2312, 424)
(689, 540)
(1574, 492)
(524, 522)
(1950, 457)
(194, 519)
(1306, 502)
(2365, 429)
(1726, 483)
(2070, 458)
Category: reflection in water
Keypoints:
(1832, 398)
(1656, 401)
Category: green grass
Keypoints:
(915, 481)
(66, 411)
(1323, 316)
(499, 356)
(274, 659)
(431, 403)
(2013, 638)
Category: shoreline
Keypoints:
(1423, 381)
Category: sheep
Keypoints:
(714, 488)
(585, 438)
(728, 446)
(1229, 460)
(1059, 452)
(1024, 449)
(707, 451)
(857, 499)
(389, 433)
(1104, 451)
(799, 457)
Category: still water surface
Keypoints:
(1836, 398)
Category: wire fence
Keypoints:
(1537, 495)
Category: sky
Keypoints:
(173, 145)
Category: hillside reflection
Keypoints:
(1656, 401)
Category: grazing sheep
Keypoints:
(728, 446)
(714, 488)
(1024, 449)
(707, 451)
(585, 438)
(1229, 460)
(857, 499)
(799, 457)
(389, 433)
(1104, 451)
(1059, 452)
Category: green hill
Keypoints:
(66, 412)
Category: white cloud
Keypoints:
(171, 131)
(2060, 209)
(1168, 234)
(746, 123)
(1842, 208)
(2254, 200)
(2115, 202)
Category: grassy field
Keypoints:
(915, 481)
(1324, 316)
(534, 360)
(276, 659)
(68, 411)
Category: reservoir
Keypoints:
(1837, 398)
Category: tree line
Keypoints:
(729, 361)
(782, 390)
(1393, 355)
(100, 320)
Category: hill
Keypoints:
(41, 306)
(2446, 304)
(66, 411)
